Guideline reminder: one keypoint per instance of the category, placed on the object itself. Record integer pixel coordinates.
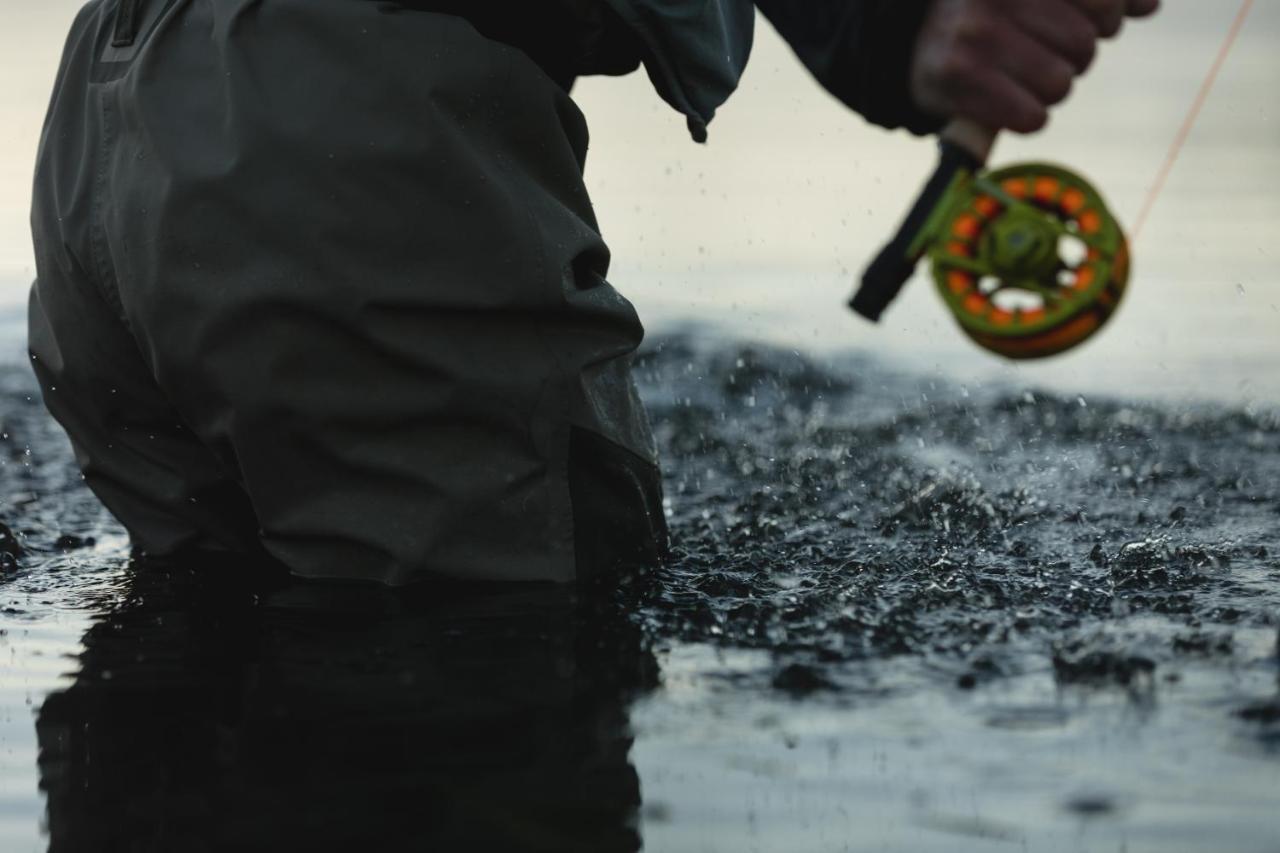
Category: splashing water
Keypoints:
(900, 615)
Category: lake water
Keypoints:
(923, 599)
(901, 615)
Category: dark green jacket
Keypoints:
(860, 50)
(696, 50)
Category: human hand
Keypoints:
(1003, 63)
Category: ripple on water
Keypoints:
(898, 612)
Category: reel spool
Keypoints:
(1028, 258)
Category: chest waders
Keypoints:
(321, 278)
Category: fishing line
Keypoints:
(1179, 142)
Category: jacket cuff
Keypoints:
(884, 56)
(861, 51)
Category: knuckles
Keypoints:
(1107, 15)
(954, 69)
(1058, 87)
(1030, 121)
(964, 40)
(1082, 47)
(972, 31)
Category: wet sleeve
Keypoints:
(861, 51)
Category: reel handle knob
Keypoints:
(964, 148)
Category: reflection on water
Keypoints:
(215, 712)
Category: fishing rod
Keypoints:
(1028, 258)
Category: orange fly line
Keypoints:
(1189, 123)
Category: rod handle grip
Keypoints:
(976, 139)
(963, 146)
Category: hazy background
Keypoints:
(762, 231)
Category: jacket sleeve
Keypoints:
(861, 51)
(694, 50)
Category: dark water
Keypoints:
(902, 615)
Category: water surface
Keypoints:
(902, 615)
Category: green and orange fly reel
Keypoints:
(1028, 258)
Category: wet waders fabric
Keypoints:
(323, 275)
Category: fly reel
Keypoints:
(1028, 258)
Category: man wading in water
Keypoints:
(321, 277)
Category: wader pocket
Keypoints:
(133, 23)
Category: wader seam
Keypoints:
(563, 533)
(562, 432)
(104, 274)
